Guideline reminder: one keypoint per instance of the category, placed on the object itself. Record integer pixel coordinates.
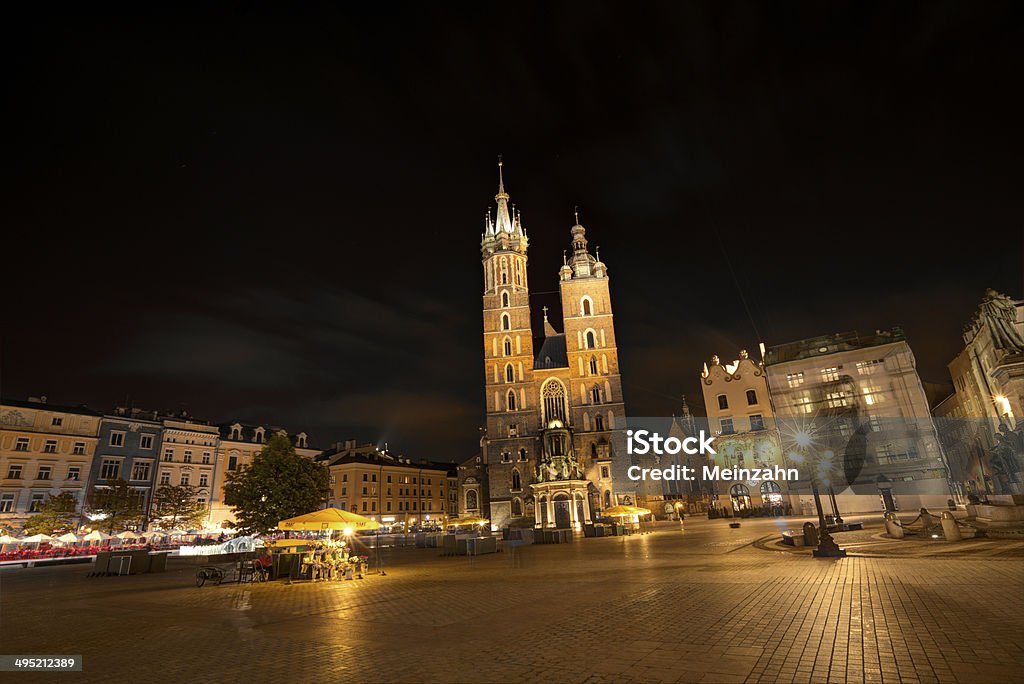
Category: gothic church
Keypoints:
(555, 413)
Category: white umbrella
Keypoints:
(96, 536)
(38, 539)
(7, 539)
(127, 534)
(176, 533)
(69, 538)
(155, 535)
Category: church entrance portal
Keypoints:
(562, 517)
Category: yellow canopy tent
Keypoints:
(461, 522)
(624, 511)
(329, 519)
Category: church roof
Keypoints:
(552, 353)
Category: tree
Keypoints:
(177, 505)
(58, 513)
(277, 485)
(121, 505)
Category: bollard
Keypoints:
(810, 534)
(897, 528)
(949, 527)
(887, 519)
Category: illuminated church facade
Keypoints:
(555, 417)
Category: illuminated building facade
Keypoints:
(740, 415)
(128, 447)
(187, 455)
(554, 409)
(389, 488)
(44, 450)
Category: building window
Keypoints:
(872, 395)
(344, 477)
(50, 446)
(830, 374)
(508, 347)
(756, 422)
(236, 434)
(513, 430)
(117, 439)
(510, 402)
(232, 461)
(366, 477)
(591, 340)
(78, 449)
(145, 441)
(364, 507)
(389, 507)
(165, 478)
(506, 322)
(44, 472)
(37, 501)
(56, 421)
(504, 299)
(522, 455)
(751, 398)
(186, 479)
(598, 422)
(471, 500)
(510, 374)
(604, 472)
(727, 428)
(21, 444)
(389, 479)
(140, 470)
(517, 481)
(803, 405)
(585, 306)
(168, 455)
(868, 367)
(553, 394)
(188, 457)
(206, 458)
(204, 480)
(6, 503)
(836, 399)
(723, 401)
(593, 365)
(794, 379)
(595, 395)
(506, 457)
(74, 473)
(14, 471)
(110, 468)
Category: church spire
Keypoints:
(503, 222)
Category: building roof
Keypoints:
(40, 404)
(552, 353)
(831, 344)
(369, 454)
(248, 433)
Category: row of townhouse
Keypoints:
(46, 449)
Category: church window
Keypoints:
(504, 299)
(508, 347)
(506, 322)
(599, 422)
(586, 307)
(510, 374)
(593, 365)
(517, 482)
(595, 395)
(511, 401)
(593, 450)
(591, 340)
(522, 454)
(607, 498)
(471, 500)
(513, 431)
(553, 397)
(517, 507)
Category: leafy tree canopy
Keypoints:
(278, 484)
(176, 505)
(121, 505)
(57, 515)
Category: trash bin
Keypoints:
(810, 534)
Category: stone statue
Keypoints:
(1000, 313)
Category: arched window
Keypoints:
(522, 454)
(591, 340)
(517, 506)
(471, 500)
(511, 400)
(593, 365)
(751, 397)
(504, 299)
(517, 481)
(506, 322)
(586, 307)
(510, 374)
(593, 450)
(553, 399)
(599, 422)
(595, 395)
(508, 347)
(607, 498)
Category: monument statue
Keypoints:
(1000, 313)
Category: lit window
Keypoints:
(795, 379)
(836, 399)
(872, 395)
(868, 367)
(830, 374)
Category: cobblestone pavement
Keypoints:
(705, 605)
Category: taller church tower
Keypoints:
(555, 416)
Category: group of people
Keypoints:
(330, 561)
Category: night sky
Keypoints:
(276, 218)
